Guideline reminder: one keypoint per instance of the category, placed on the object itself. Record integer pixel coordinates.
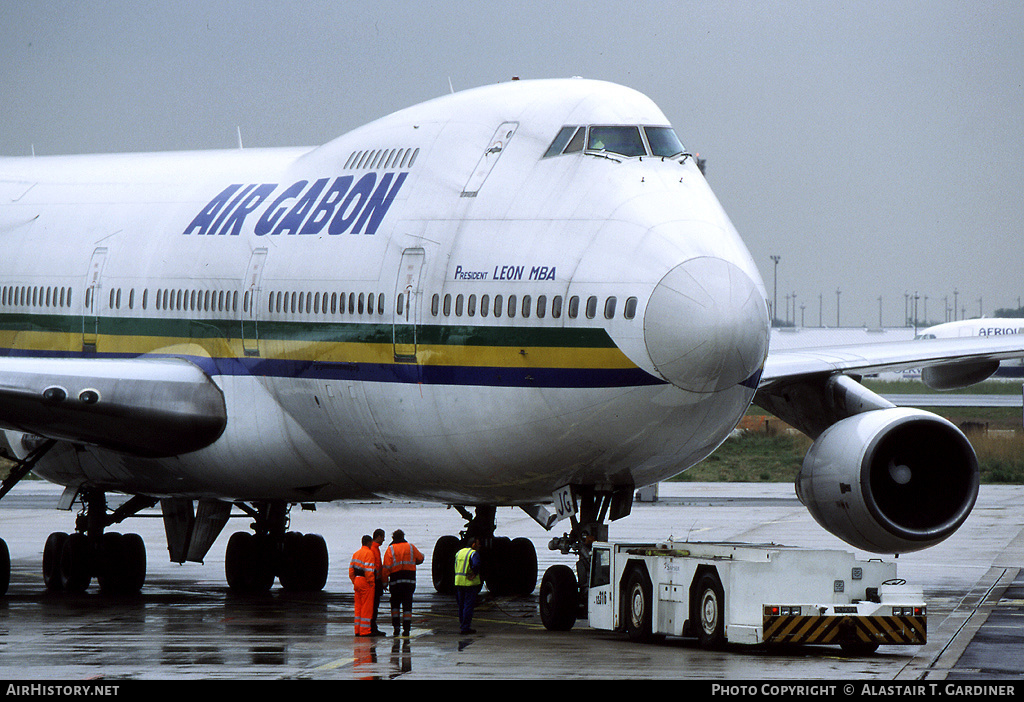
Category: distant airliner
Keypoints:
(984, 327)
(523, 294)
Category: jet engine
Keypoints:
(890, 480)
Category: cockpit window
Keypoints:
(561, 139)
(618, 140)
(663, 141)
(577, 141)
(625, 141)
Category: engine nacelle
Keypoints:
(890, 481)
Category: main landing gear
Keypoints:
(117, 561)
(253, 560)
(71, 561)
(509, 565)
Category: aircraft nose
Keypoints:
(706, 326)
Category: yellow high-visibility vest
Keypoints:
(462, 569)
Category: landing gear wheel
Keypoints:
(304, 562)
(76, 563)
(710, 612)
(5, 567)
(51, 561)
(442, 564)
(638, 607)
(131, 564)
(524, 556)
(559, 598)
(246, 564)
(317, 561)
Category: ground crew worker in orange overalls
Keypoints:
(379, 580)
(360, 572)
(400, 561)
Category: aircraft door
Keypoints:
(91, 310)
(495, 148)
(250, 302)
(407, 293)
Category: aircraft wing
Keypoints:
(790, 364)
(145, 406)
(806, 387)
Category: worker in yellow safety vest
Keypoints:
(467, 583)
(400, 561)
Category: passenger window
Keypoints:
(511, 306)
(497, 306)
(526, 305)
(471, 306)
(485, 303)
(609, 308)
(591, 307)
(542, 305)
(629, 312)
(574, 307)
(556, 306)
(458, 305)
(447, 305)
(435, 303)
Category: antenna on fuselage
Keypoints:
(451, 88)
(239, 130)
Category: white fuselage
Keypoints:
(352, 302)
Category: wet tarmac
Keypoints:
(186, 625)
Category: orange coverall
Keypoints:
(360, 572)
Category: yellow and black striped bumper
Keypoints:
(845, 629)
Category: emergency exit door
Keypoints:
(495, 148)
(91, 312)
(250, 302)
(405, 329)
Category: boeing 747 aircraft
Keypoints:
(982, 327)
(523, 294)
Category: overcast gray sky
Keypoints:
(875, 146)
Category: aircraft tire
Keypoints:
(133, 563)
(51, 561)
(499, 567)
(442, 564)
(108, 562)
(318, 560)
(121, 563)
(559, 598)
(304, 563)
(524, 558)
(76, 563)
(246, 563)
(5, 567)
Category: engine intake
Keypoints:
(890, 481)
